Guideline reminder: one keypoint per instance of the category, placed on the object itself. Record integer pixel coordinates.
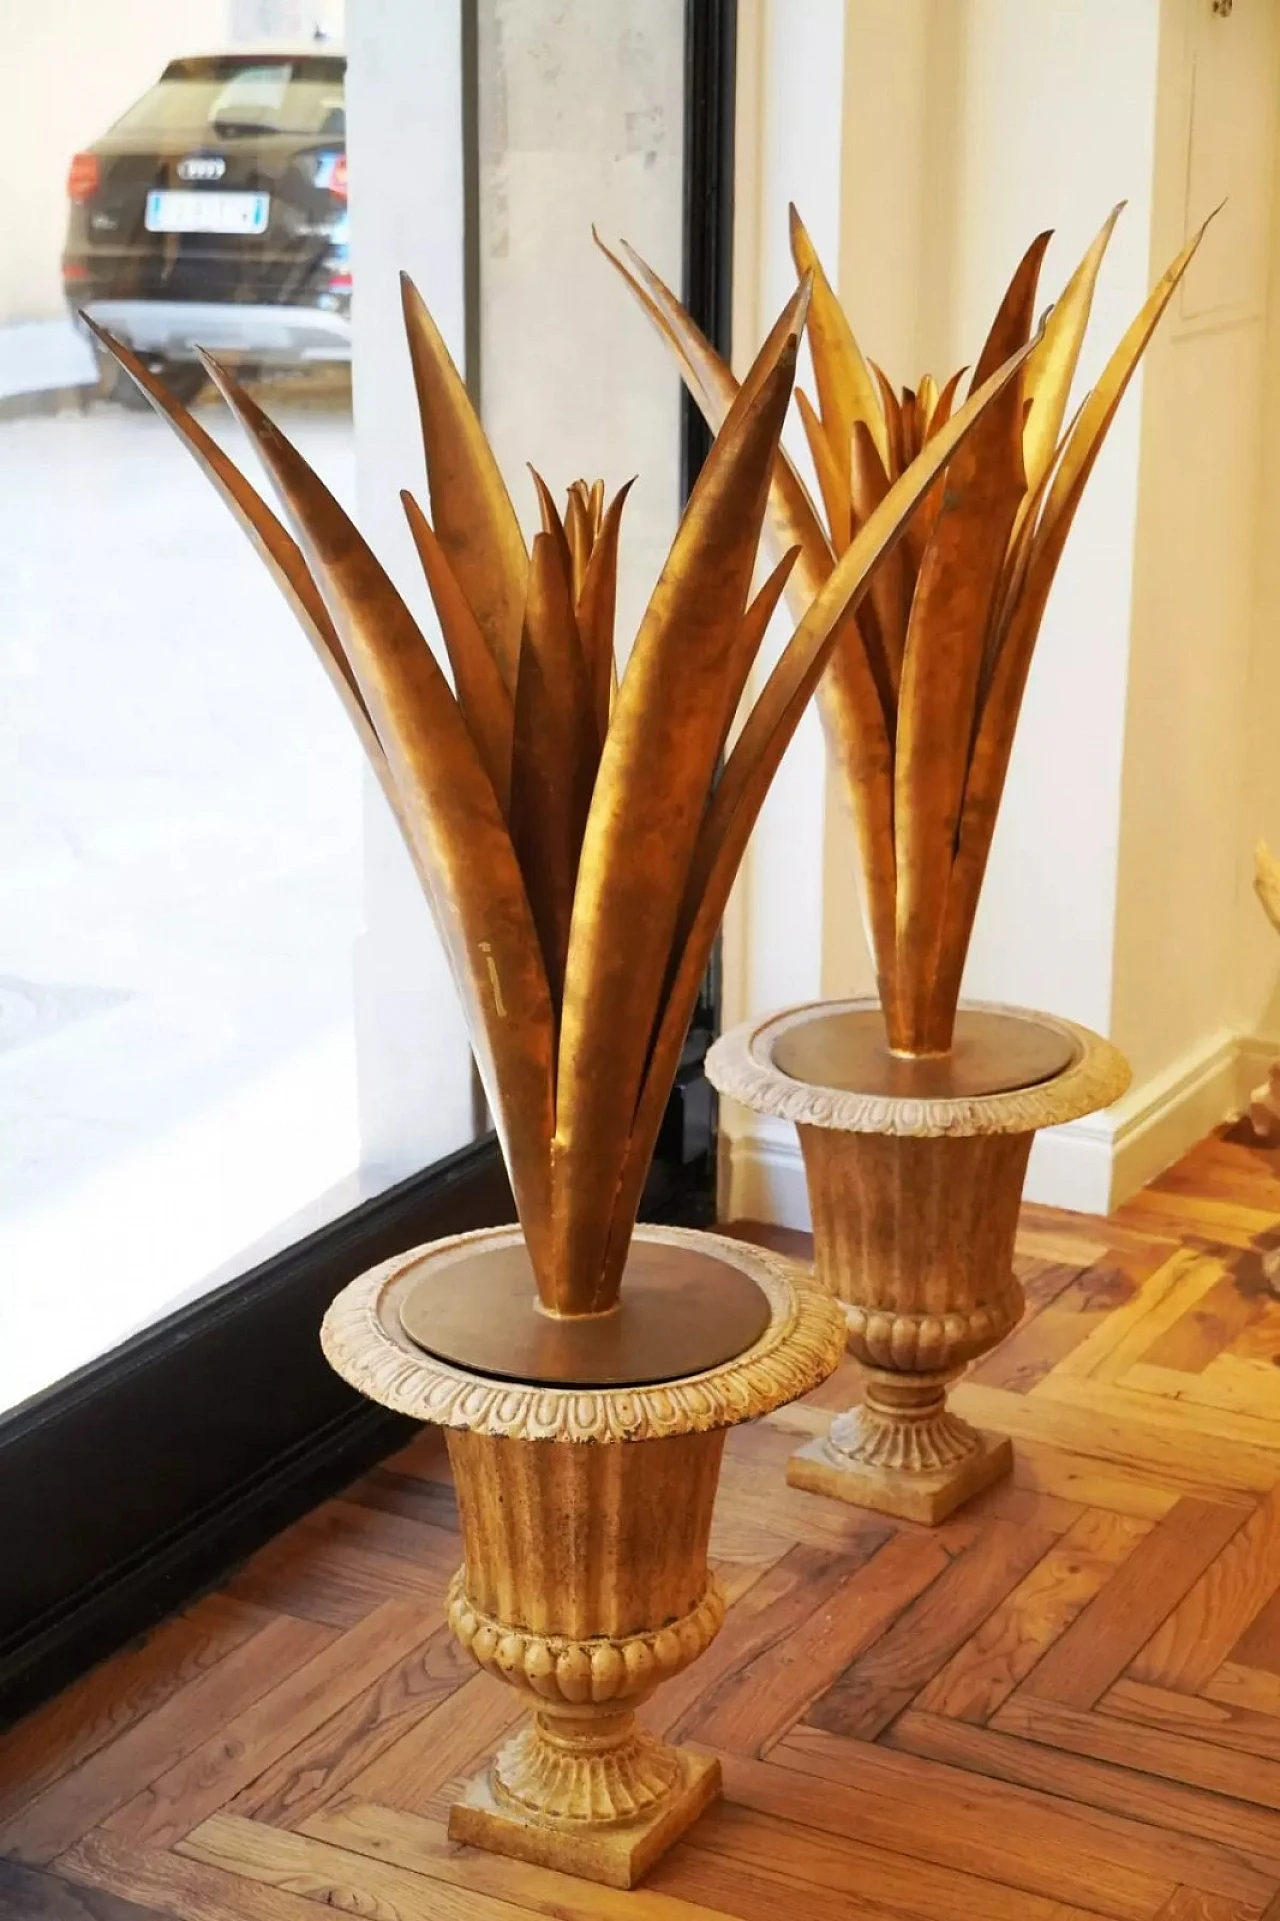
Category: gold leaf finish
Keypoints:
(482, 694)
(586, 1582)
(474, 517)
(573, 832)
(915, 1197)
(920, 695)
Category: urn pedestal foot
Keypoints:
(927, 1495)
(914, 1167)
(599, 1799)
(903, 1452)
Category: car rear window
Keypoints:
(218, 98)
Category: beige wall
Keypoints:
(1185, 835)
(1255, 754)
(1145, 762)
(1012, 124)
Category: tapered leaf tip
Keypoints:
(802, 306)
(636, 259)
(411, 301)
(622, 246)
(118, 350)
(235, 396)
(785, 364)
(221, 376)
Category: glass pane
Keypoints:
(211, 931)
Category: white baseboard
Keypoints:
(1090, 1166)
(762, 1174)
(1096, 1163)
(1256, 1053)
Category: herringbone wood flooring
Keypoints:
(1064, 1702)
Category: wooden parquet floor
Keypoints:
(1064, 1702)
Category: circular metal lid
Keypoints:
(680, 1313)
(991, 1054)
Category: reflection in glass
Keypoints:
(183, 855)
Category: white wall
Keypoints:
(1018, 126)
(72, 67)
(789, 114)
(404, 116)
(1038, 84)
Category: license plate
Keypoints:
(177, 212)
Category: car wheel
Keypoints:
(184, 379)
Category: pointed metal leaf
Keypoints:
(833, 483)
(482, 695)
(470, 507)
(556, 749)
(772, 721)
(645, 814)
(277, 547)
(883, 618)
(1051, 368)
(452, 820)
(1015, 315)
(846, 391)
(1022, 617)
(794, 520)
(552, 523)
(941, 670)
(596, 609)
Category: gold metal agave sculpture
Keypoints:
(921, 697)
(575, 834)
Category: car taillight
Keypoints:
(84, 177)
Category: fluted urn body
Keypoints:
(915, 1169)
(586, 1514)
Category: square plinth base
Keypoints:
(619, 1857)
(912, 1497)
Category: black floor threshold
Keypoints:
(140, 1481)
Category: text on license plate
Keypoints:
(178, 212)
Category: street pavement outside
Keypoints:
(180, 881)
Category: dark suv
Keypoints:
(214, 213)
